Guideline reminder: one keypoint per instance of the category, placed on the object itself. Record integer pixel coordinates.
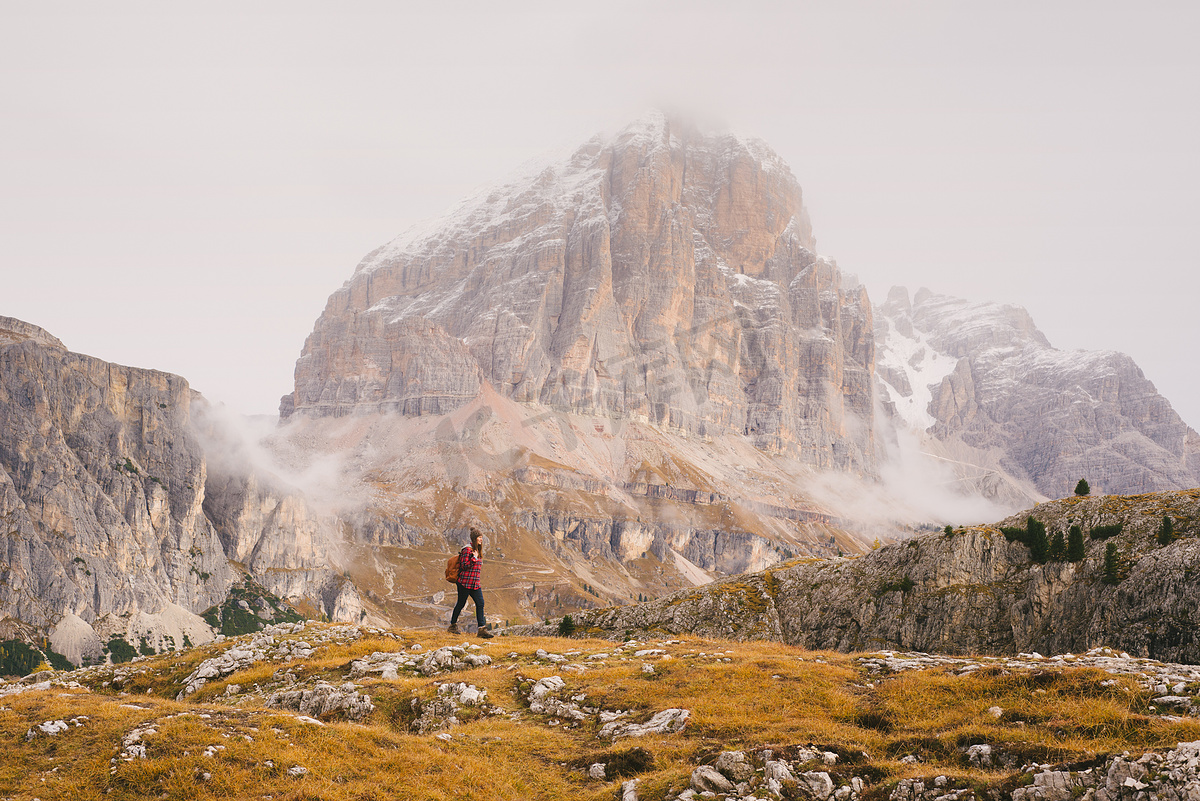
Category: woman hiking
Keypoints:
(470, 558)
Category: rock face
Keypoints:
(103, 484)
(972, 592)
(983, 381)
(662, 276)
(101, 490)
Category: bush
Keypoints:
(1039, 544)
(1082, 488)
(949, 530)
(1013, 534)
(1166, 532)
(1112, 564)
(904, 585)
(566, 626)
(1104, 532)
(56, 660)
(1075, 550)
(119, 650)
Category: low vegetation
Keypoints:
(249, 608)
(221, 742)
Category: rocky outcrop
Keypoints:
(973, 591)
(1170, 777)
(984, 381)
(113, 525)
(101, 491)
(664, 275)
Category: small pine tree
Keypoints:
(566, 626)
(1082, 488)
(1039, 544)
(1166, 532)
(1058, 547)
(1075, 550)
(949, 529)
(1112, 564)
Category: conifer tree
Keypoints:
(1075, 551)
(1112, 564)
(1082, 488)
(1058, 547)
(1039, 544)
(1166, 532)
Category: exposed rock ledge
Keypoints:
(971, 592)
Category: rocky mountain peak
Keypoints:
(661, 274)
(960, 327)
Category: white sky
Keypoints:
(183, 190)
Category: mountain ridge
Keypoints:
(975, 590)
(996, 384)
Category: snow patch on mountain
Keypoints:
(915, 368)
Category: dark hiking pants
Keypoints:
(463, 595)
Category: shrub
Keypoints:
(1039, 544)
(1075, 551)
(1013, 534)
(119, 650)
(1166, 532)
(949, 530)
(566, 626)
(1112, 564)
(56, 660)
(1082, 488)
(1104, 532)
(630, 762)
(903, 585)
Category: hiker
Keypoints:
(469, 586)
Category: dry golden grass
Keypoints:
(766, 695)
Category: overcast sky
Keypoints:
(183, 190)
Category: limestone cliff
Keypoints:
(970, 592)
(107, 509)
(996, 397)
(662, 275)
(101, 493)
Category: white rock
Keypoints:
(706, 779)
(778, 772)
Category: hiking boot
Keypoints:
(484, 634)
(453, 629)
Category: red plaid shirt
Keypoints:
(468, 569)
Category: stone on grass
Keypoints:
(707, 779)
(735, 766)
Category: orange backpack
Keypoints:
(452, 569)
